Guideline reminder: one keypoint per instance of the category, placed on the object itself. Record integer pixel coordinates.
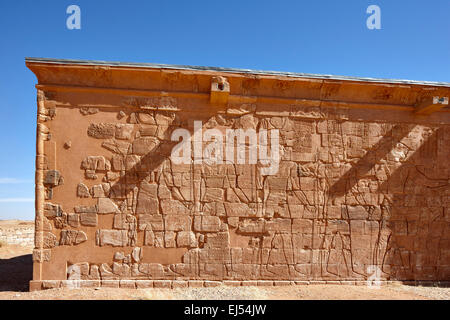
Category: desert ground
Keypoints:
(16, 272)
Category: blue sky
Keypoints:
(328, 37)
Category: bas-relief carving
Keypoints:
(348, 196)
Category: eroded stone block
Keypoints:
(206, 223)
(186, 239)
(89, 219)
(115, 238)
(101, 130)
(106, 206)
(72, 237)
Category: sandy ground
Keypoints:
(15, 223)
(16, 271)
(312, 292)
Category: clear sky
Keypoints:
(327, 37)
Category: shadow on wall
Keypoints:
(394, 199)
(419, 244)
(153, 160)
(16, 273)
(403, 218)
(408, 230)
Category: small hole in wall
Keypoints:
(220, 86)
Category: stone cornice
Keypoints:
(246, 86)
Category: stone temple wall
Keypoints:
(357, 196)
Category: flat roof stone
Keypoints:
(231, 70)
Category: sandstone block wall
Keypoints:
(360, 192)
(17, 234)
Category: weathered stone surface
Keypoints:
(217, 240)
(136, 254)
(117, 146)
(73, 220)
(106, 206)
(101, 130)
(72, 237)
(89, 219)
(123, 131)
(179, 284)
(94, 273)
(42, 255)
(206, 223)
(88, 111)
(359, 193)
(95, 163)
(83, 191)
(115, 238)
(169, 239)
(144, 145)
(213, 194)
(53, 178)
(186, 239)
(177, 223)
(144, 284)
(121, 114)
(252, 227)
(106, 272)
(196, 283)
(52, 210)
(92, 164)
(97, 191)
(51, 284)
(61, 222)
(146, 118)
(149, 238)
(173, 207)
(237, 210)
(151, 222)
(154, 270)
(85, 209)
(110, 283)
(147, 201)
(119, 256)
(148, 130)
(209, 284)
(120, 221)
(128, 284)
(162, 284)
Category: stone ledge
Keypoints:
(180, 284)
